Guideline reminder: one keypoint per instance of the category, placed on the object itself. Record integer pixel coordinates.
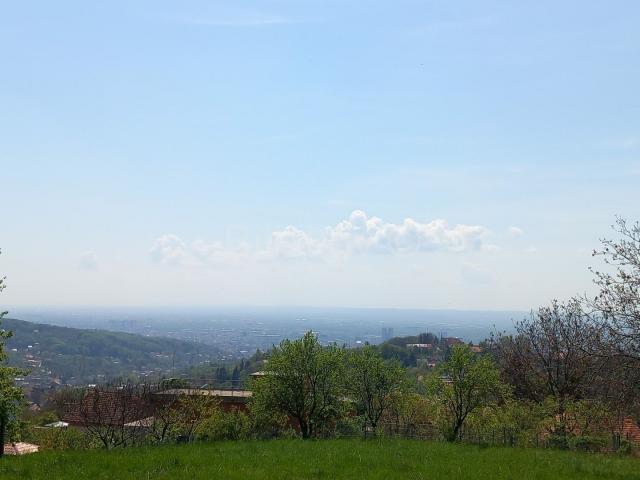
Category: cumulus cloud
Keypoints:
(515, 231)
(363, 234)
(172, 250)
(88, 261)
(359, 234)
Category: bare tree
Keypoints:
(617, 305)
(549, 355)
(112, 415)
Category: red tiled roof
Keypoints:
(630, 430)
(108, 407)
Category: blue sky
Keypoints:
(213, 153)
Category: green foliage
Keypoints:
(587, 443)
(373, 383)
(401, 354)
(11, 396)
(303, 381)
(223, 425)
(464, 383)
(59, 439)
(191, 412)
(82, 354)
(169, 383)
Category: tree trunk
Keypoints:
(304, 428)
(2, 429)
(453, 437)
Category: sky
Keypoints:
(409, 154)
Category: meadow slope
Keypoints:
(326, 459)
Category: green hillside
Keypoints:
(72, 354)
(325, 459)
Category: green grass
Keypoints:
(326, 459)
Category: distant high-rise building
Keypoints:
(387, 333)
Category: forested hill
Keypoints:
(76, 355)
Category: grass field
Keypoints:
(328, 459)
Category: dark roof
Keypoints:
(107, 407)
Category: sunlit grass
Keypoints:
(326, 459)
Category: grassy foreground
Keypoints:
(328, 459)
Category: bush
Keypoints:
(558, 441)
(224, 426)
(587, 443)
(349, 427)
(60, 439)
(625, 448)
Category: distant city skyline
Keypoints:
(436, 155)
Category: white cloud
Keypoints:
(172, 250)
(531, 249)
(292, 243)
(359, 234)
(515, 231)
(88, 261)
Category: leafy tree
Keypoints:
(303, 381)
(191, 412)
(464, 383)
(373, 383)
(221, 375)
(235, 377)
(11, 395)
(405, 356)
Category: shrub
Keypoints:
(224, 426)
(558, 441)
(60, 439)
(587, 443)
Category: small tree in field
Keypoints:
(10, 395)
(303, 381)
(464, 383)
(373, 383)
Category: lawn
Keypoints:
(326, 459)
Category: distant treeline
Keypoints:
(80, 356)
